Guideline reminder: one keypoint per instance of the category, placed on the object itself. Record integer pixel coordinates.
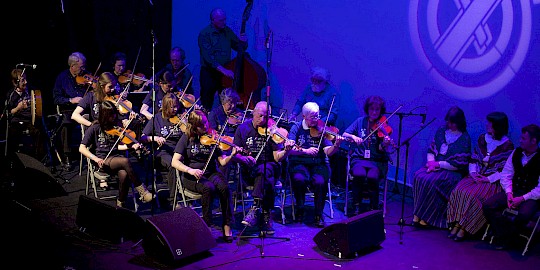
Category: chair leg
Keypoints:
(384, 196)
(529, 238)
(330, 201)
(485, 232)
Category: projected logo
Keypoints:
(471, 48)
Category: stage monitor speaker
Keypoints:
(176, 235)
(33, 180)
(356, 234)
(108, 222)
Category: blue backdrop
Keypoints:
(426, 55)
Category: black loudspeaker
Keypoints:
(356, 234)
(176, 235)
(106, 221)
(34, 180)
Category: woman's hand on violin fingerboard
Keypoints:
(132, 115)
(338, 140)
(135, 146)
(195, 172)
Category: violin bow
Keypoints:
(88, 87)
(118, 139)
(132, 72)
(178, 73)
(383, 122)
(267, 136)
(187, 85)
(183, 117)
(326, 122)
(247, 107)
(214, 148)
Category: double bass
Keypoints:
(249, 76)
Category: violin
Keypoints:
(124, 106)
(186, 99)
(86, 79)
(278, 134)
(235, 119)
(224, 142)
(136, 79)
(383, 129)
(127, 137)
(179, 121)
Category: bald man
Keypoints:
(265, 154)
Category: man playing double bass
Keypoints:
(215, 44)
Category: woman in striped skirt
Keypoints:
(465, 215)
(447, 162)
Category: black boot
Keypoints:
(266, 223)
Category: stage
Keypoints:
(43, 232)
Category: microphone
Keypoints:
(267, 41)
(423, 119)
(27, 65)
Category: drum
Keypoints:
(35, 105)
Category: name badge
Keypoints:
(367, 154)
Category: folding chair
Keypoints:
(187, 195)
(533, 226)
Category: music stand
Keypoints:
(263, 235)
(401, 221)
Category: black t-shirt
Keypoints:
(249, 139)
(303, 138)
(90, 106)
(217, 119)
(165, 129)
(102, 142)
(24, 115)
(196, 154)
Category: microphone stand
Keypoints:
(401, 221)
(395, 188)
(154, 105)
(262, 235)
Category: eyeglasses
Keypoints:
(313, 117)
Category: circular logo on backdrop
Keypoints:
(472, 48)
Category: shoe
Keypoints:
(319, 222)
(228, 238)
(119, 204)
(251, 217)
(500, 244)
(266, 223)
(299, 215)
(103, 185)
(146, 196)
(458, 238)
(67, 165)
(101, 176)
(453, 232)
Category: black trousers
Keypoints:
(315, 174)
(215, 184)
(210, 81)
(503, 226)
(263, 182)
